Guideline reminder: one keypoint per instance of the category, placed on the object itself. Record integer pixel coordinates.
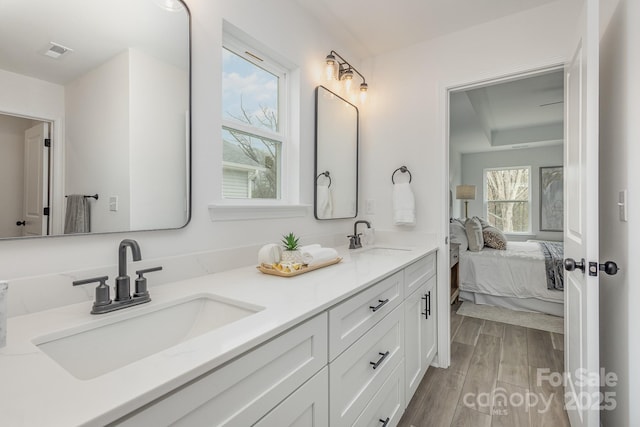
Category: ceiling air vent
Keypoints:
(56, 50)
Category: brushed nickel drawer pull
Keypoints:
(376, 364)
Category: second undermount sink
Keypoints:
(379, 250)
(125, 338)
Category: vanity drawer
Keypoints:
(243, 391)
(358, 373)
(387, 406)
(352, 318)
(418, 272)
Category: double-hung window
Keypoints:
(507, 198)
(254, 136)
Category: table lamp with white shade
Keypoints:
(466, 193)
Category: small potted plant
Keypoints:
(291, 254)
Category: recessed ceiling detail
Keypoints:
(509, 114)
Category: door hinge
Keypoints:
(47, 142)
(45, 212)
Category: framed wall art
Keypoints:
(551, 198)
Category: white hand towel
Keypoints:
(315, 256)
(310, 247)
(324, 201)
(404, 204)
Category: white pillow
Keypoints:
(457, 234)
(474, 234)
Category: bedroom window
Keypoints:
(253, 123)
(508, 198)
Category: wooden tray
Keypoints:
(267, 269)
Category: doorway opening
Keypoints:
(25, 182)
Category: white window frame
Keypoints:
(286, 205)
(530, 201)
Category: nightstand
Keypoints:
(454, 254)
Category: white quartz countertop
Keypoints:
(36, 391)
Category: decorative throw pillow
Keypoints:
(458, 234)
(474, 234)
(494, 238)
(483, 222)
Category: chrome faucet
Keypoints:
(354, 239)
(123, 298)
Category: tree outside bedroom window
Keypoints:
(252, 124)
(508, 198)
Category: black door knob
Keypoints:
(21, 223)
(609, 267)
(570, 264)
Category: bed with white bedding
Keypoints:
(514, 278)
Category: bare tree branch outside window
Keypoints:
(508, 199)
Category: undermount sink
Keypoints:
(377, 250)
(88, 352)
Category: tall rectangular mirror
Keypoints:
(336, 167)
(94, 116)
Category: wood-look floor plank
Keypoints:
(540, 348)
(469, 331)
(549, 401)
(492, 358)
(467, 417)
(460, 357)
(437, 405)
(456, 321)
(493, 328)
(514, 361)
(482, 373)
(509, 409)
(558, 341)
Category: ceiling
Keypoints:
(380, 26)
(523, 113)
(95, 30)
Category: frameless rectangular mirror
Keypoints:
(94, 116)
(336, 168)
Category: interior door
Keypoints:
(36, 180)
(581, 223)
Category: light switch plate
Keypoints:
(370, 207)
(113, 203)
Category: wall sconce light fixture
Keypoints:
(339, 69)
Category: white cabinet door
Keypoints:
(420, 334)
(430, 319)
(307, 407)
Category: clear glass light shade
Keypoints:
(363, 92)
(347, 77)
(330, 67)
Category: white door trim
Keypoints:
(56, 173)
(445, 88)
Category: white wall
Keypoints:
(279, 24)
(406, 119)
(12, 173)
(97, 141)
(619, 154)
(473, 166)
(157, 159)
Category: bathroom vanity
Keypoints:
(343, 345)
